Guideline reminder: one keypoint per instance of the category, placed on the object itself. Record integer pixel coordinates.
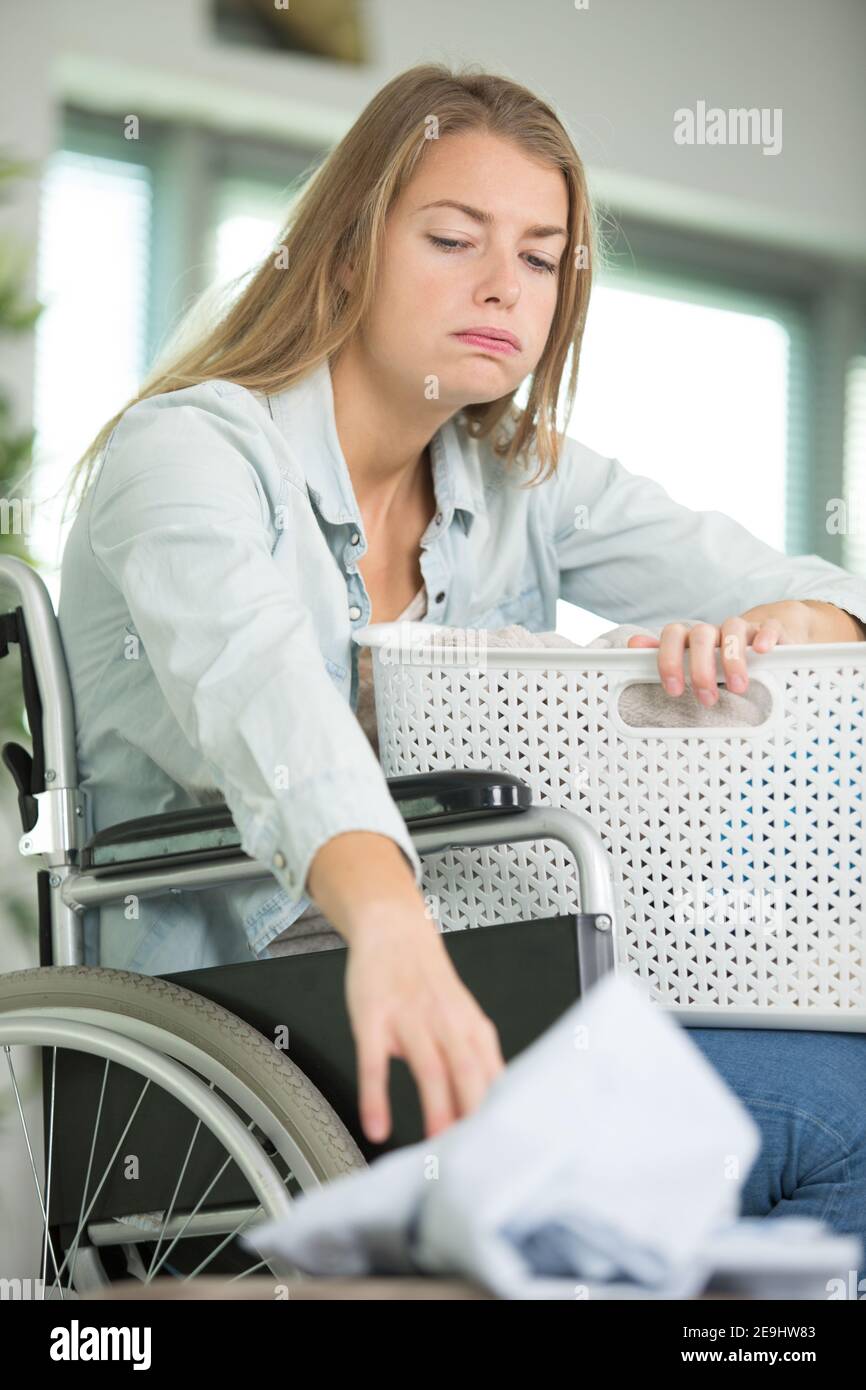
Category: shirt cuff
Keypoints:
(852, 604)
(332, 803)
(861, 622)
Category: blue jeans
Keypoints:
(806, 1091)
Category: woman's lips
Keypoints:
(488, 344)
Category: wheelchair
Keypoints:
(178, 1110)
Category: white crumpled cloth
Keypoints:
(610, 1152)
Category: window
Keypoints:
(690, 387)
(131, 231)
(692, 395)
(854, 484)
(93, 278)
(249, 217)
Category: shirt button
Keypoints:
(440, 597)
(279, 860)
(354, 612)
(438, 518)
(355, 538)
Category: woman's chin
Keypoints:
(483, 380)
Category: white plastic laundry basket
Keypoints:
(737, 853)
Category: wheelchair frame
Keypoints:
(443, 811)
(200, 847)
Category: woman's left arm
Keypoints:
(631, 553)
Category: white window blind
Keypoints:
(92, 277)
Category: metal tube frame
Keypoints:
(61, 828)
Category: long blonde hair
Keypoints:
(287, 321)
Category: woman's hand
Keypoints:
(762, 628)
(406, 1000)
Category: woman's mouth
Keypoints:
(489, 343)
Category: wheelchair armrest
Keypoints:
(429, 799)
(200, 834)
(207, 833)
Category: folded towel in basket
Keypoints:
(517, 636)
(608, 1150)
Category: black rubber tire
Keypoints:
(297, 1104)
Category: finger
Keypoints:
(489, 1048)
(642, 639)
(482, 1038)
(768, 634)
(702, 641)
(489, 1051)
(670, 663)
(431, 1073)
(497, 1061)
(468, 1064)
(735, 639)
(373, 1065)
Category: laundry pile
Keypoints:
(607, 1158)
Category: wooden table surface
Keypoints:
(271, 1289)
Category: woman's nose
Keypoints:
(498, 280)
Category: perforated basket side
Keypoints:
(737, 854)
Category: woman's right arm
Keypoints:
(182, 524)
(404, 996)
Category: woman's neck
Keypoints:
(384, 433)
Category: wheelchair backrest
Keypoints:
(33, 626)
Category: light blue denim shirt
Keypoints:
(210, 589)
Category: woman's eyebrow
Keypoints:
(487, 217)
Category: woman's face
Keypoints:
(490, 263)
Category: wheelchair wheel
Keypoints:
(169, 1126)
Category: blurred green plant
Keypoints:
(18, 315)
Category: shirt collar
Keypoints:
(305, 415)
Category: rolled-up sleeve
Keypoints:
(629, 552)
(182, 525)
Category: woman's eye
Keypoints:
(448, 244)
(549, 266)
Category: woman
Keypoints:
(343, 448)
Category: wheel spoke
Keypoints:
(262, 1264)
(89, 1170)
(168, 1214)
(104, 1177)
(211, 1185)
(48, 1169)
(33, 1168)
(223, 1243)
